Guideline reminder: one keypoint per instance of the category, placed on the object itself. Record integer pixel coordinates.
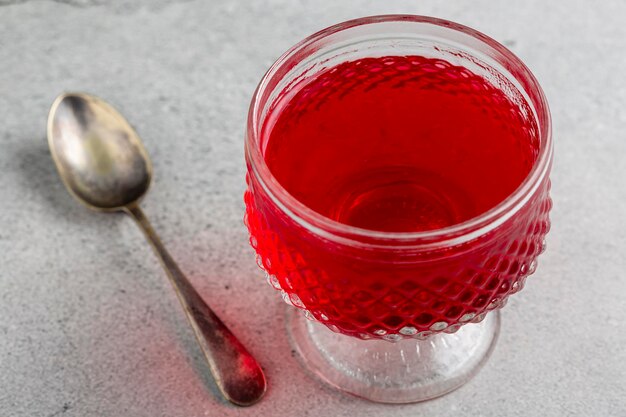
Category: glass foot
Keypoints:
(406, 371)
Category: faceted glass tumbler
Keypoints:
(432, 294)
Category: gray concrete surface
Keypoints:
(88, 323)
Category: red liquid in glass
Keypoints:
(398, 144)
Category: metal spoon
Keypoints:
(103, 163)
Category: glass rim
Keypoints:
(450, 235)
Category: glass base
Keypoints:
(406, 371)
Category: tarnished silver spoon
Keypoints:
(103, 163)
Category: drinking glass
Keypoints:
(396, 316)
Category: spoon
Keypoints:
(103, 163)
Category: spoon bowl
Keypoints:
(100, 157)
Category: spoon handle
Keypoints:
(237, 374)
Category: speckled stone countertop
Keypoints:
(88, 323)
